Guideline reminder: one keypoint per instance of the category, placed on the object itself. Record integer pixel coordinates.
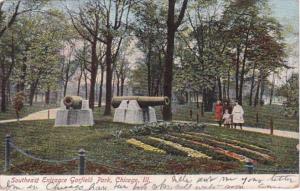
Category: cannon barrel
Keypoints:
(74, 102)
(143, 101)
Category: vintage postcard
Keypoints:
(149, 94)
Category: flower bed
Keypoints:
(264, 158)
(191, 152)
(216, 152)
(233, 141)
(144, 146)
(165, 127)
(158, 144)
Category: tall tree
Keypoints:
(150, 30)
(172, 26)
(87, 23)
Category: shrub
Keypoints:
(18, 103)
(165, 127)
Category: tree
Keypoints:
(290, 90)
(43, 63)
(115, 27)
(7, 64)
(122, 72)
(172, 26)
(204, 53)
(151, 32)
(87, 23)
(9, 12)
(18, 8)
(69, 64)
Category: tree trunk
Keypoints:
(241, 84)
(65, 87)
(149, 69)
(224, 90)
(8, 91)
(252, 85)
(220, 97)
(262, 91)
(3, 95)
(23, 74)
(66, 80)
(113, 84)
(237, 70)
(168, 72)
(79, 82)
(33, 87)
(243, 69)
(228, 83)
(108, 76)
(94, 69)
(257, 92)
(272, 89)
(86, 85)
(47, 96)
(118, 86)
(101, 87)
(122, 86)
(36, 96)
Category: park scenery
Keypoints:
(149, 87)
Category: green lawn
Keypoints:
(11, 114)
(110, 154)
(182, 112)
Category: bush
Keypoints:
(165, 127)
(18, 103)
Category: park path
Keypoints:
(42, 115)
(280, 133)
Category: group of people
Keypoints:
(230, 115)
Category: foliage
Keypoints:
(290, 90)
(165, 127)
(18, 103)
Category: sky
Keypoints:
(287, 13)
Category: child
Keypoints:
(227, 119)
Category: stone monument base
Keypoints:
(130, 112)
(74, 117)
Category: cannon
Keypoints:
(74, 111)
(137, 109)
(74, 102)
(143, 101)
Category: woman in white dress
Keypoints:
(238, 115)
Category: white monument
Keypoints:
(74, 112)
(136, 109)
(130, 112)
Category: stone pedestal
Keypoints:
(130, 112)
(75, 117)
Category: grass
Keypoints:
(11, 114)
(182, 112)
(111, 155)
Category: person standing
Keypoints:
(219, 112)
(238, 115)
(227, 106)
(227, 119)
